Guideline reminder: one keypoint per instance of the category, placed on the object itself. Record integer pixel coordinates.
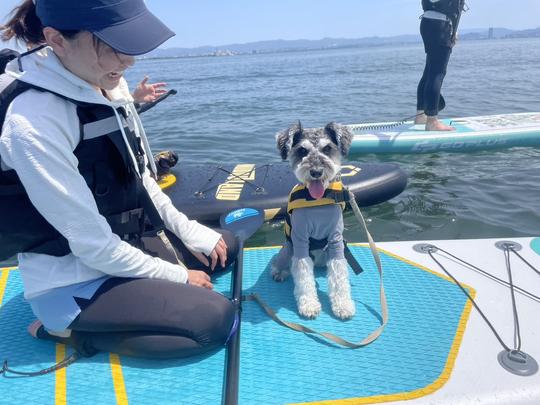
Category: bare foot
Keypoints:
(420, 118)
(433, 124)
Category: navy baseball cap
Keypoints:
(127, 26)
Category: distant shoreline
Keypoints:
(283, 46)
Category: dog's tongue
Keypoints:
(316, 189)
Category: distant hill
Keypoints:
(532, 33)
(281, 45)
(498, 33)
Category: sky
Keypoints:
(222, 22)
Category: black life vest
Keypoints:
(105, 164)
(451, 8)
(6, 55)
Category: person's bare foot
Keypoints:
(433, 124)
(420, 118)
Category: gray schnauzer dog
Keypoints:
(315, 156)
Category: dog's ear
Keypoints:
(340, 135)
(288, 138)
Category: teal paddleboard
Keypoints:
(435, 349)
(471, 134)
(277, 365)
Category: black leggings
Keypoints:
(152, 318)
(436, 35)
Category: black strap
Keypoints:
(151, 211)
(6, 56)
(22, 55)
(127, 223)
(316, 244)
(157, 223)
(355, 266)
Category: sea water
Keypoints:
(228, 109)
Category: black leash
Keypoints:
(5, 370)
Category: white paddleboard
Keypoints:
(477, 376)
(471, 134)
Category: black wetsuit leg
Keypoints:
(436, 35)
(154, 318)
(150, 318)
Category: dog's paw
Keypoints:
(279, 275)
(309, 307)
(343, 308)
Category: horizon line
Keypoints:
(343, 38)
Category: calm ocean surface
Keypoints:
(229, 108)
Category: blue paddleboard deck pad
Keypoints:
(471, 134)
(413, 357)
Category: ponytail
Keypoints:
(24, 25)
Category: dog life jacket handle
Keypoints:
(334, 338)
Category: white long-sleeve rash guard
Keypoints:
(39, 135)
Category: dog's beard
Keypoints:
(316, 187)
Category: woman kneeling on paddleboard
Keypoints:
(94, 231)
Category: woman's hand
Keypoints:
(219, 253)
(200, 279)
(145, 93)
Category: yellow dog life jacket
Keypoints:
(300, 198)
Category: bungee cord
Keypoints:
(513, 359)
(258, 188)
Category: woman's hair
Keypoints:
(25, 25)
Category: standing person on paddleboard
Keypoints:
(94, 231)
(439, 32)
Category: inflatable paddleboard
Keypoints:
(436, 348)
(472, 134)
(205, 192)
